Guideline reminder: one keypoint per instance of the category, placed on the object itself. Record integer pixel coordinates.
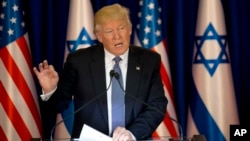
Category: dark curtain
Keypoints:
(47, 25)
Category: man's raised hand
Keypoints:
(47, 76)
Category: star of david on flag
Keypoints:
(83, 39)
(211, 41)
(80, 26)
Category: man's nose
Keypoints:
(117, 35)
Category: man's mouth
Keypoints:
(118, 45)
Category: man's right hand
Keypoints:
(47, 76)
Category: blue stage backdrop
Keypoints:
(47, 20)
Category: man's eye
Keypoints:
(109, 31)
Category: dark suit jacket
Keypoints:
(84, 78)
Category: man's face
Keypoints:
(115, 36)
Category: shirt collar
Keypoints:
(110, 56)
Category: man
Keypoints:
(86, 75)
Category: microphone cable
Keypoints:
(143, 102)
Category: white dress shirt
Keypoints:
(109, 65)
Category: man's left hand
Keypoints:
(122, 134)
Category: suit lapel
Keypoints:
(99, 80)
(133, 75)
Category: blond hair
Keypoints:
(111, 12)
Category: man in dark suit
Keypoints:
(86, 75)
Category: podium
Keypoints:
(166, 138)
(159, 139)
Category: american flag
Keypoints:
(149, 35)
(213, 105)
(20, 116)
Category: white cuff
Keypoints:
(45, 97)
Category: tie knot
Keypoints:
(117, 59)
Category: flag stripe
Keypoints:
(167, 84)
(155, 134)
(164, 73)
(7, 126)
(2, 135)
(19, 80)
(14, 115)
(166, 81)
(26, 74)
(23, 45)
(199, 108)
(171, 127)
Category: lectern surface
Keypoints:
(153, 139)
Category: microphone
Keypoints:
(112, 74)
(146, 104)
(115, 74)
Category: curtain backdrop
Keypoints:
(47, 26)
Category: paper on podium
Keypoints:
(90, 134)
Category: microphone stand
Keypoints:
(112, 73)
